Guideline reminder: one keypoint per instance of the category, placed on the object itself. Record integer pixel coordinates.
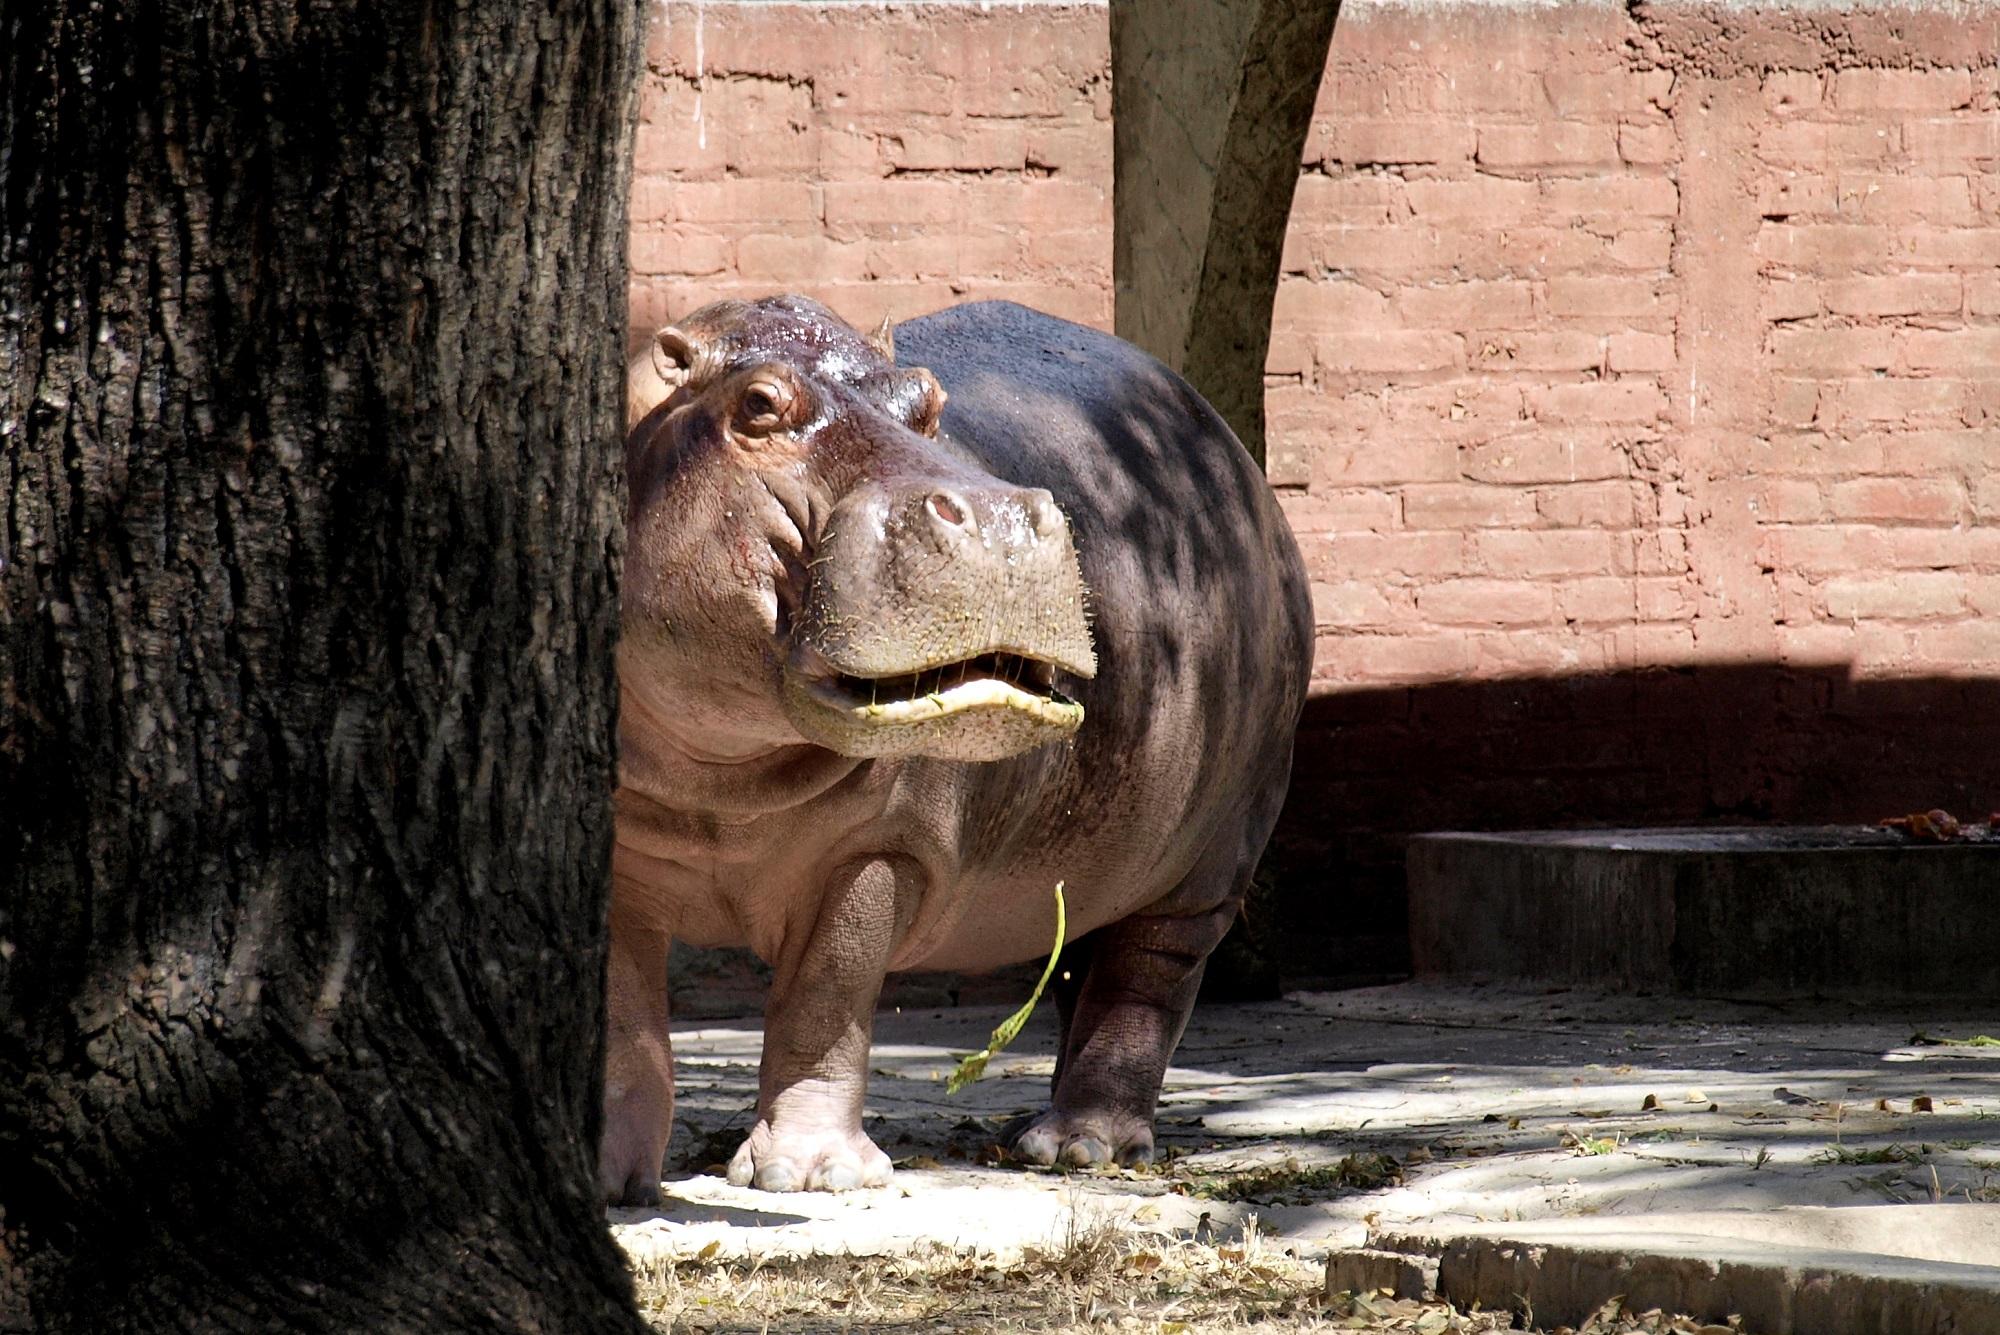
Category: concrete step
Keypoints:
(1854, 1270)
(1846, 911)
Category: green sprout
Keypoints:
(971, 1068)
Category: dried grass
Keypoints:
(1095, 1277)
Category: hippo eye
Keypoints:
(762, 408)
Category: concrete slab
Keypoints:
(1855, 1270)
(1485, 1104)
(1834, 910)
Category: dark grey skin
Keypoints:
(765, 805)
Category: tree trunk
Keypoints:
(310, 333)
(1211, 100)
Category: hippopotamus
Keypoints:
(916, 626)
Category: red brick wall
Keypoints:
(1634, 393)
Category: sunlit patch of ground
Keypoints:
(1098, 1277)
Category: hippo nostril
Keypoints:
(1043, 514)
(949, 509)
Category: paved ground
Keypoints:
(1400, 1108)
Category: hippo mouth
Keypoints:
(986, 707)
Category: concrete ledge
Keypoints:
(1835, 910)
(1783, 1272)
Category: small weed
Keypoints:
(1591, 1146)
(1848, 1156)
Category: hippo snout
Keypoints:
(943, 618)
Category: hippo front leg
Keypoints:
(1122, 1016)
(817, 1026)
(638, 1062)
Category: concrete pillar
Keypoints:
(1211, 100)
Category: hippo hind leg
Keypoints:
(1129, 988)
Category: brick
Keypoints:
(1486, 602)
(1630, 352)
(1789, 501)
(1461, 506)
(1349, 603)
(856, 92)
(1795, 402)
(1966, 352)
(1613, 505)
(1336, 511)
(1476, 305)
(1898, 500)
(1897, 400)
(1963, 644)
(971, 147)
(1544, 552)
(1388, 658)
(1486, 200)
(1982, 294)
(1545, 458)
(1874, 198)
(1835, 246)
(1832, 352)
(1986, 497)
(1349, 198)
(1363, 142)
(1794, 195)
(1560, 144)
(1974, 136)
(1083, 254)
(769, 258)
(1937, 548)
(1901, 90)
(1642, 248)
(1622, 196)
(1625, 298)
(769, 203)
(1953, 247)
(1815, 145)
(1391, 353)
(1576, 95)
(1082, 148)
(1901, 294)
(1612, 401)
(1909, 595)
(1327, 306)
(1788, 92)
(1601, 599)
(1825, 549)
(1648, 145)
(1408, 555)
(1562, 350)
(678, 251)
(1402, 458)
(1663, 598)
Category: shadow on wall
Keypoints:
(1743, 744)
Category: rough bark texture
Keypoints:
(310, 333)
(1211, 103)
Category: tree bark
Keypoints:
(310, 398)
(1211, 100)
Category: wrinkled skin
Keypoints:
(870, 715)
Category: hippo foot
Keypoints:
(772, 1160)
(1080, 1140)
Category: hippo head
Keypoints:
(808, 559)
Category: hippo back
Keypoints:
(1197, 592)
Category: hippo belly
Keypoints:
(1035, 618)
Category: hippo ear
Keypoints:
(883, 340)
(673, 357)
(930, 403)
